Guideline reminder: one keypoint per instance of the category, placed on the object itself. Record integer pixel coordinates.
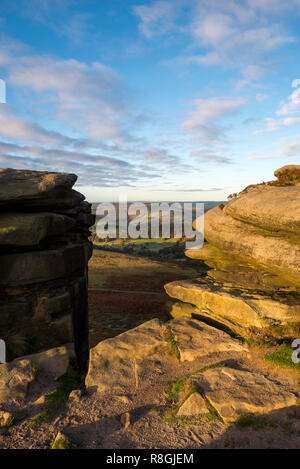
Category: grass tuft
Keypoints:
(56, 399)
(282, 357)
(173, 345)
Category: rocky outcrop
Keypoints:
(252, 250)
(44, 251)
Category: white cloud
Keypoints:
(207, 156)
(156, 18)
(230, 31)
(291, 147)
(260, 97)
(203, 121)
(90, 98)
(291, 105)
(290, 108)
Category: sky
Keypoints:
(178, 100)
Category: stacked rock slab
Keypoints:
(44, 251)
(253, 251)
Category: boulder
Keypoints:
(234, 392)
(28, 229)
(289, 174)
(14, 380)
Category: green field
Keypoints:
(160, 247)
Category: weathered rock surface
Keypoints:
(28, 229)
(113, 361)
(42, 266)
(195, 339)
(33, 188)
(253, 251)
(53, 362)
(44, 252)
(289, 174)
(258, 246)
(193, 406)
(239, 307)
(269, 207)
(234, 392)
(14, 380)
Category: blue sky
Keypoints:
(156, 100)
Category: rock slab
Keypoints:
(234, 392)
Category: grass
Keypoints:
(181, 390)
(9, 422)
(282, 357)
(248, 420)
(64, 443)
(173, 345)
(56, 399)
(178, 386)
(258, 422)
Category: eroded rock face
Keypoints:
(28, 229)
(253, 250)
(260, 247)
(44, 251)
(242, 307)
(269, 207)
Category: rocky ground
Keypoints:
(188, 386)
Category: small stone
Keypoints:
(62, 441)
(75, 395)
(125, 420)
(6, 419)
(124, 399)
(193, 406)
(40, 401)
